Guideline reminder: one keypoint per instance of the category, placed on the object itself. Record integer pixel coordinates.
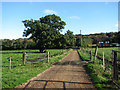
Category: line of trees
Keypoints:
(69, 41)
(18, 44)
(45, 33)
(65, 41)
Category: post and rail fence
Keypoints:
(33, 57)
(33, 60)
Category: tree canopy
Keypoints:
(45, 31)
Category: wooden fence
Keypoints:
(35, 59)
(115, 63)
(30, 58)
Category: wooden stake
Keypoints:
(10, 63)
(48, 57)
(96, 50)
(24, 57)
(115, 73)
(103, 61)
(91, 55)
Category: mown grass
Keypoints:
(21, 73)
(100, 77)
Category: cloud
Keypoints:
(116, 25)
(74, 17)
(50, 11)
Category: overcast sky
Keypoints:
(90, 17)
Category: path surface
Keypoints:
(68, 73)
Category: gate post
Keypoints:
(115, 73)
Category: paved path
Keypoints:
(68, 73)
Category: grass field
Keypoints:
(107, 52)
(21, 73)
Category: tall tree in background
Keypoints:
(45, 32)
(70, 39)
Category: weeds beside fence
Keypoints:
(106, 70)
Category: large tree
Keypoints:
(45, 31)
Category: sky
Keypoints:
(89, 17)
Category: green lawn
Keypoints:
(21, 73)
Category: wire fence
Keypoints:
(110, 65)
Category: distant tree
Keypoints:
(70, 38)
(63, 41)
(103, 34)
(25, 43)
(19, 44)
(110, 34)
(31, 45)
(78, 42)
(118, 37)
(7, 44)
(45, 32)
(86, 41)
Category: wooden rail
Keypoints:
(36, 59)
(115, 51)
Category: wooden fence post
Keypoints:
(10, 63)
(48, 57)
(103, 61)
(24, 57)
(91, 55)
(115, 73)
(96, 50)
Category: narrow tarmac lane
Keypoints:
(67, 73)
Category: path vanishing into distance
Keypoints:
(67, 73)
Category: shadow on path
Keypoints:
(64, 83)
(73, 63)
